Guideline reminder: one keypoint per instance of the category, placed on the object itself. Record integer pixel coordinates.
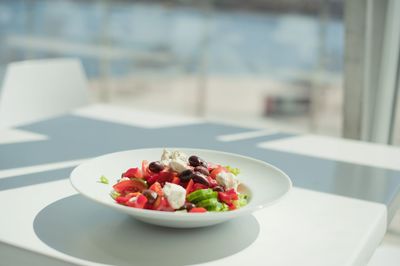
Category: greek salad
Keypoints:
(178, 183)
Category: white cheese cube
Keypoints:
(175, 194)
(227, 180)
(178, 165)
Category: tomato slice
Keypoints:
(228, 196)
(231, 207)
(156, 187)
(132, 194)
(161, 177)
(161, 204)
(176, 180)
(198, 210)
(233, 194)
(156, 203)
(212, 181)
(121, 199)
(124, 199)
(212, 166)
(189, 187)
(139, 203)
(165, 205)
(217, 170)
(197, 186)
(132, 185)
(133, 172)
(145, 169)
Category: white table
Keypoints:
(345, 192)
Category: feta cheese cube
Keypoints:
(178, 155)
(227, 180)
(166, 157)
(175, 194)
(178, 165)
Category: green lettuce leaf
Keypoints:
(234, 171)
(103, 180)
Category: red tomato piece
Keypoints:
(231, 207)
(228, 196)
(133, 172)
(166, 177)
(139, 203)
(166, 207)
(161, 177)
(217, 170)
(156, 187)
(222, 196)
(232, 193)
(198, 186)
(132, 194)
(156, 203)
(176, 180)
(161, 204)
(189, 187)
(212, 166)
(145, 169)
(121, 200)
(130, 186)
(152, 179)
(212, 181)
(198, 210)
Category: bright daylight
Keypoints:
(209, 132)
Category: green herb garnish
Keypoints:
(103, 180)
(114, 194)
(234, 171)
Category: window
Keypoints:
(258, 63)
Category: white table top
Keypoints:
(45, 218)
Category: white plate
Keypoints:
(264, 183)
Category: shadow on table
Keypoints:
(90, 231)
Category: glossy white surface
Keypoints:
(387, 255)
(246, 135)
(264, 183)
(345, 150)
(133, 117)
(304, 224)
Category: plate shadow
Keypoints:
(86, 230)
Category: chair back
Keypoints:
(39, 89)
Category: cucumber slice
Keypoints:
(208, 203)
(212, 205)
(202, 194)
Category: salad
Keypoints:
(178, 183)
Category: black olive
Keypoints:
(218, 189)
(200, 178)
(197, 161)
(156, 167)
(202, 170)
(150, 195)
(186, 175)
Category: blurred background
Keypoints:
(327, 67)
(263, 63)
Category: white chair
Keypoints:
(39, 89)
